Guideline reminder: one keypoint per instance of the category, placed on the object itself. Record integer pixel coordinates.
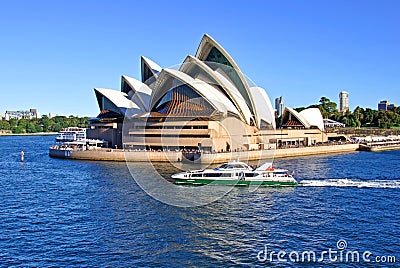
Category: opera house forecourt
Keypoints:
(204, 109)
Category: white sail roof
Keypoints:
(206, 45)
(218, 100)
(299, 117)
(151, 64)
(313, 117)
(149, 69)
(141, 92)
(263, 107)
(118, 98)
(308, 117)
(224, 83)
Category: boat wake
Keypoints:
(351, 183)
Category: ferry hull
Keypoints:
(199, 182)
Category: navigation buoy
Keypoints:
(22, 154)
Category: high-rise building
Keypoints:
(343, 101)
(279, 106)
(383, 105)
(34, 113)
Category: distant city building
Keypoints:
(50, 115)
(32, 113)
(385, 106)
(343, 101)
(1, 117)
(279, 106)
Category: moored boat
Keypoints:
(237, 174)
(75, 138)
(71, 134)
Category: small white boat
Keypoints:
(237, 174)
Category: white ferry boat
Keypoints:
(75, 137)
(71, 134)
(237, 174)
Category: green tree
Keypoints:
(19, 130)
(44, 124)
(5, 125)
(299, 109)
(13, 123)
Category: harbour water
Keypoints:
(56, 212)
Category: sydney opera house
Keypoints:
(206, 103)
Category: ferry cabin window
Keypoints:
(217, 174)
(196, 175)
(241, 166)
(226, 166)
(251, 174)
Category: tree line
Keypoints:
(360, 117)
(43, 124)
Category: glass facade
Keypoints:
(108, 105)
(200, 73)
(125, 87)
(216, 56)
(184, 101)
(147, 73)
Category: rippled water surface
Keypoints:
(79, 213)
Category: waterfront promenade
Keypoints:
(173, 156)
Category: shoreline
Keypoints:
(118, 155)
(29, 134)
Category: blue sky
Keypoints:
(53, 53)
